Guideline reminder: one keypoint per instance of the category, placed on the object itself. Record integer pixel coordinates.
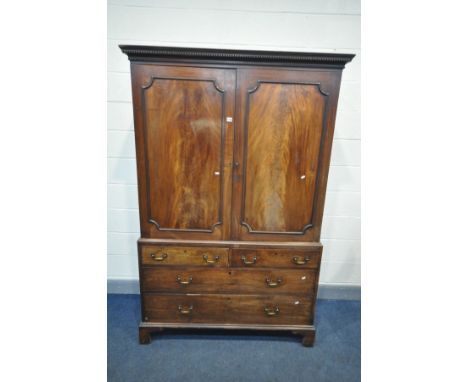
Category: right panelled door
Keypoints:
(283, 140)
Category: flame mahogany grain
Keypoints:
(233, 152)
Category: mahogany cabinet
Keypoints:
(233, 151)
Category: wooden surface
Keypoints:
(268, 257)
(282, 143)
(230, 309)
(283, 149)
(193, 256)
(242, 281)
(312, 246)
(145, 53)
(162, 325)
(272, 158)
(183, 147)
(233, 157)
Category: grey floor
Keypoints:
(242, 356)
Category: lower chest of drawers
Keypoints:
(211, 285)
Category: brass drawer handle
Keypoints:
(272, 312)
(246, 262)
(273, 284)
(159, 258)
(186, 310)
(297, 261)
(182, 282)
(215, 259)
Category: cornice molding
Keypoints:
(244, 57)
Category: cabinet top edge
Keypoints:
(244, 57)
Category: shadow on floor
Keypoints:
(216, 355)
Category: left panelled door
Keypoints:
(184, 139)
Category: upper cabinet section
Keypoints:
(233, 144)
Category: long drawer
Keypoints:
(256, 281)
(227, 309)
(192, 256)
(285, 258)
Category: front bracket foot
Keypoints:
(145, 334)
(308, 337)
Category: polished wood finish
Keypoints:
(282, 143)
(241, 281)
(183, 144)
(234, 58)
(314, 246)
(229, 309)
(305, 331)
(185, 158)
(193, 256)
(275, 257)
(233, 151)
(265, 210)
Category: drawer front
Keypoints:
(255, 281)
(193, 256)
(228, 309)
(275, 258)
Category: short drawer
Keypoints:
(193, 256)
(239, 281)
(227, 309)
(275, 258)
